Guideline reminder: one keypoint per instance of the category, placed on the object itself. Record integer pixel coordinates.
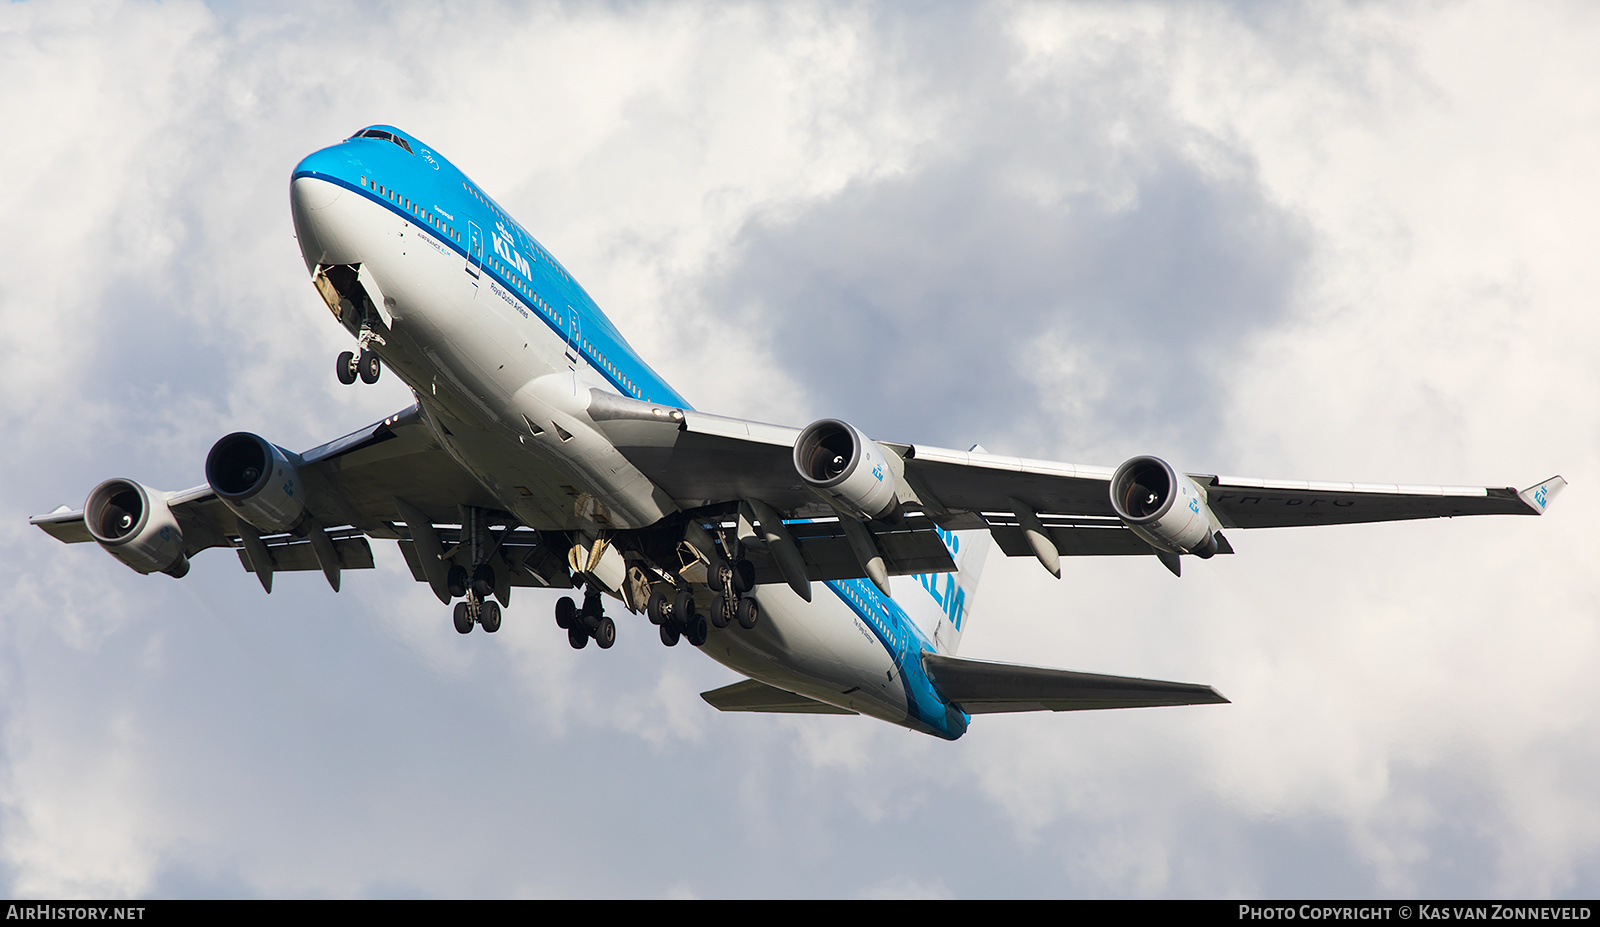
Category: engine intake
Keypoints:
(1163, 506)
(849, 469)
(135, 525)
(257, 481)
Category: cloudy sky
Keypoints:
(1314, 241)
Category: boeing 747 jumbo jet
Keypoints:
(543, 452)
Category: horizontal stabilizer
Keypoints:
(758, 696)
(981, 687)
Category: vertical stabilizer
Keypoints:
(940, 604)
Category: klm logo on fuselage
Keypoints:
(952, 598)
(502, 247)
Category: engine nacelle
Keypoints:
(1163, 506)
(849, 468)
(135, 525)
(257, 481)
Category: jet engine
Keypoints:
(849, 468)
(1163, 506)
(135, 525)
(257, 481)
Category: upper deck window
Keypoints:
(386, 136)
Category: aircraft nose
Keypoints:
(308, 194)
(315, 194)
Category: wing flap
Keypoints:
(983, 687)
(527, 560)
(291, 555)
(751, 695)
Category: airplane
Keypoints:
(542, 451)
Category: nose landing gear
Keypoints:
(363, 363)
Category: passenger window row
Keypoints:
(411, 206)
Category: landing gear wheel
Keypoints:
(567, 614)
(369, 367)
(489, 616)
(606, 634)
(669, 634)
(718, 574)
(744, 576)
(345, 367)
(748, 613)
(657, 608)
(463, 618)
(578, 638)
(699, 630)
(456, 581)
(719, 610)
(683, 606)
(483, 580)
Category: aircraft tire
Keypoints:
(669, 634)
(462, 619)
(483, 580)
(719, 610)
(456, 581)
(566, 613)
(744, 576)
(749, 613)
(606, 634)
(578, 638)
(657, 608)
(699, 630)
(369, 367)
(489, 616)
(345, 367)
(683, 608)
(718, 573)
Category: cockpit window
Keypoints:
(386, 136)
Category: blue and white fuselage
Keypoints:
(502, 347)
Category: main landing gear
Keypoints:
(730, 585)
(474, 610)
(677, 618)
(587, 622)
(476, 590)
(477, 607)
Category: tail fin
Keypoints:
(941, 603)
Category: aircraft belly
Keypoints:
(470, 357)
(817, 649)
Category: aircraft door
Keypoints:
(575, 329)
(474, 248)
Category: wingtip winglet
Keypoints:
(1539, 496)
